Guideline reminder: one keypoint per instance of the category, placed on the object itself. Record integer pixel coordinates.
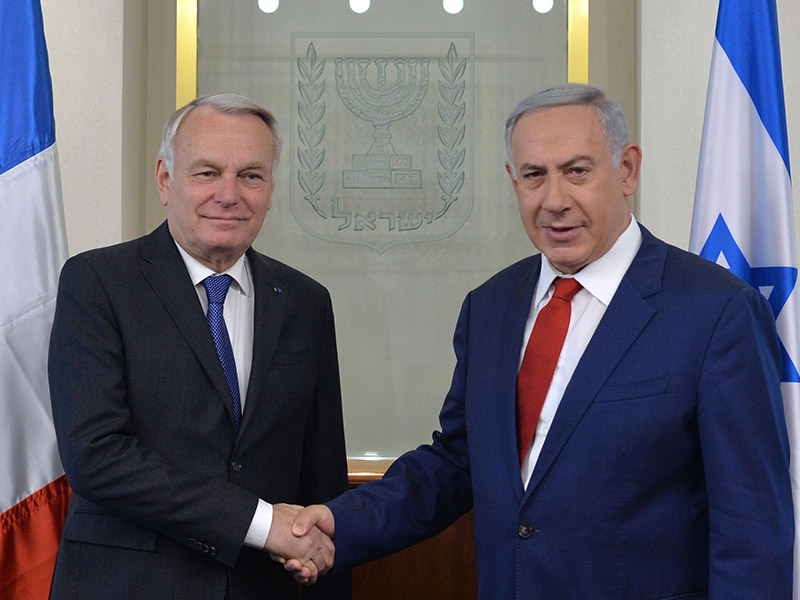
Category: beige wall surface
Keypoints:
(113, 70)
(107, 61)
(674, 62)
(85, 50)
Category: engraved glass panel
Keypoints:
(392, 189)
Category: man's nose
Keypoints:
(556, 196)
(228, 191)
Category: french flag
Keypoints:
(33, 490)
(743, 216)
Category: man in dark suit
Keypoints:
(655, 463)
(179, 429)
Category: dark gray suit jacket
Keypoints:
(164, 487)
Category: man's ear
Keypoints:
(510, 172)
(629, 167)
(163, 180)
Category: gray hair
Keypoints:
(229, 104)
(609, 110)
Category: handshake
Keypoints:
(301, 539)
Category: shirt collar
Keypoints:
(198, 271)
(602, 277)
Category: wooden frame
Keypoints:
(186, 49)
(363, 470)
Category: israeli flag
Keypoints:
(743, 216)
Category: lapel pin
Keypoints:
(277, 289)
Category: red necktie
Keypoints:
(539, 362)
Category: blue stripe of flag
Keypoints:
(747, 30)
(26, 93)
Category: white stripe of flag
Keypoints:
(33, 492)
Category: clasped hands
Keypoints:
(301, 539)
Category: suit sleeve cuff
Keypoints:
(260, 525)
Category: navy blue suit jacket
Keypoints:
(665, 473)
(164, 486)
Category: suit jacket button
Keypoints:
(524, 531)
(236, 466)
(195, 545)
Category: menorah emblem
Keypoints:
(382, 166)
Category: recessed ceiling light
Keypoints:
(268, 6)
(359, 6)
(453, 6)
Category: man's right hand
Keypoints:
(307, 521)
(306, 555)
(317, 515)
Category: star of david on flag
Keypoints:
(743, 215)
(776, 283)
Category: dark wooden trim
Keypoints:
(361, 470)
(442, 567)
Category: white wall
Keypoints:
(98, 63)
(113, 73)
(674, 61)
(103, 78)
(103, 104)
(85, 48)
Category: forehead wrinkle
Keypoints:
(530, 131)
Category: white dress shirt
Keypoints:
(238, 312)
(600, 280)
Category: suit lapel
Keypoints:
(165, 272)
(511, 332)
(270, 304)
(626, 316)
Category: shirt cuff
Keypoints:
(258, 532)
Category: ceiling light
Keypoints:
(268, 6)
(453, 6)
(359, 6)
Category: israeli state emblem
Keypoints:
(381, 137)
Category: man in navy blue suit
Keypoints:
(657, 466)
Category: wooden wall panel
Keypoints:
(442, 567)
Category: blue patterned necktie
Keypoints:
(216, 290)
